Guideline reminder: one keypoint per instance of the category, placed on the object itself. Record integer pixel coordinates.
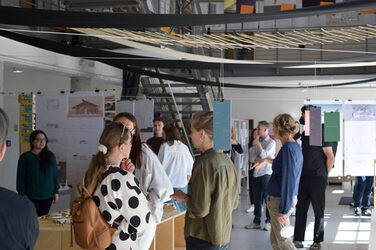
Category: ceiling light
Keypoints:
(332, 65)
(17, 70)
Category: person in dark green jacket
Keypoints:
(37, 175)
(212, 191)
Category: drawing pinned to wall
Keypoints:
(51, 110)
(73, 141)
(360, 137)
(360, 112)
(26, 120)
(53, 104)
(109, 107)
(85, 106)
(62, 168)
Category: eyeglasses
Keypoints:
(40, 139)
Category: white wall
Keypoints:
(266, 104)
(29, 81)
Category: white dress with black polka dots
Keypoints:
(119, 194)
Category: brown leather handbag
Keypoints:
(91, 231)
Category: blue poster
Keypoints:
(222, 125)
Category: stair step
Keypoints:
(177, 120)
(178, 103)
(173, 85)
(165, 95)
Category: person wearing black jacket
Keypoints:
(18, 218)
(318, 161)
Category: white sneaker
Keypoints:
(358, 211)
(267, 227)
(251, 209)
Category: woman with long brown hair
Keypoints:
(118, 193)
(176, 159)
(154, 182)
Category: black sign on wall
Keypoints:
(309, 3)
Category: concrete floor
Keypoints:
(343, 230)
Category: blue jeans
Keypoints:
(192, 243)
(362, 191)
(259, 185)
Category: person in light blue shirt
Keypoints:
(284, 182)
(263, 147)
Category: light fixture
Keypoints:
(332, 65)
(17, 70)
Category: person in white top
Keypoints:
(154, 182)
(176, 159)
(117, 195)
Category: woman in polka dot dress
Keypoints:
(119, 193)
(154, 181)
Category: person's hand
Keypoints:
(55, 198)
(281, 218)
(256, 139)
(258, 165)
(243, 172)
(148, 199)
(179, 195)
(127, 165)
(234, 142)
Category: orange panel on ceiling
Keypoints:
(325, 3)
(246, 9)
(287, 6)
(372, 10)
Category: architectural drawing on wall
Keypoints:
(333, 106)
(52, 125)
(26, 119)
(85, 106)
(52, 104)
(73, 141)
(62, 168)
(109, 107)
(360, 112)
(360, 137)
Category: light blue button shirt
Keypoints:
(268, 151)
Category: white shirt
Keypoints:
(153, 181)
(177, 161)
(268, 151)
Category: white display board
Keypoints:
(73, 140)
(332, 106)
(143, 110)
(360, 137)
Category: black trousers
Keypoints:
(42, 206)
(311, 190)
(250, 176)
